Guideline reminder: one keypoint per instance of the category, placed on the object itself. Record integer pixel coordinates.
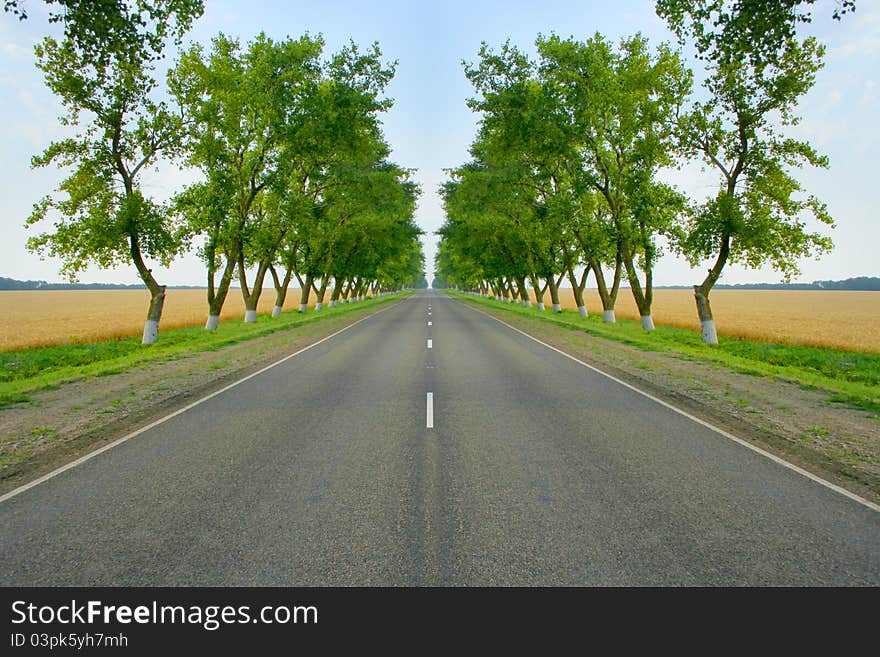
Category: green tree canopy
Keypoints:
(102, 71)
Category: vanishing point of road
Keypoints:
(432, 445)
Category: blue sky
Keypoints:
(430, 126)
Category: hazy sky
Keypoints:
(430, 127)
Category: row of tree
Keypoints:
(295, 182)
(568, 172)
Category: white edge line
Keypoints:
(791, 466)
(430, 411)
(134, 434)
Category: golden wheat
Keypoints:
(846, 320)
(818, 318)
(39, 318)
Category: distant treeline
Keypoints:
(863, 283)
(13, 284)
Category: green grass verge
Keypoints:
(850, 377)
(28, 370)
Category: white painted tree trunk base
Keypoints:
(582, 311)
(709, 334)
(333, 304)
(647, 322)
(303, 307)
(540, 306)
(276, 311)
(557, 308)
(527, 304)
(250, 316)
(212, 323)
(151, 332)
(608, 317)
(319, 306)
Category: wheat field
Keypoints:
(39, 318)
(817, 318)
(838, 319)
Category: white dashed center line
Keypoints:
(430, 411)
(429, 323)
(430, 344)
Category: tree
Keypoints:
(329, 144)
(237, 104)
(588, 128)
(368, 210)
(524, 144)
(102, 69)
(488, 212)
(623, 105)
(757, 70)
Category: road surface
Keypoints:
(432, 445)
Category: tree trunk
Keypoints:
(609, 297)
(615, 284)
(306, 287)
(252, 297)
(578, 289)
(334, 296)
(154, 314)
(281, 287)
(554, 292)
(539, 291)
(217, 298)
(704, 310)
(320, 292)
(157, 292)
(701, 294)
(250, 315)
(523, 291)
(642, 298)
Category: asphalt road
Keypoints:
(537, 471)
